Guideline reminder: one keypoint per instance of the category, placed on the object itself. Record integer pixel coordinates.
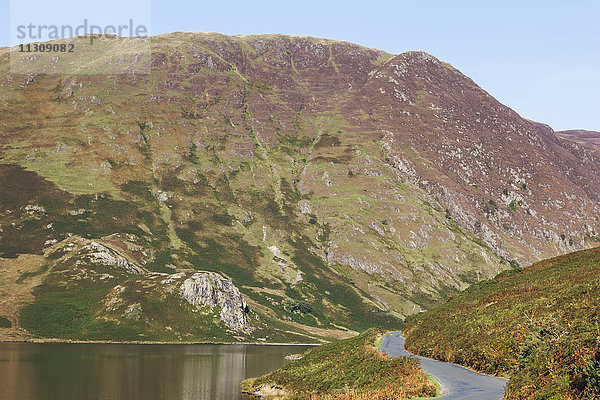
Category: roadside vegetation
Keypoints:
(539, 326)
(349, 369)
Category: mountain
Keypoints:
(320, 186)
(538, 326)
(589, 139)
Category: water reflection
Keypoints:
(108, 371)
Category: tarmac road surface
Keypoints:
(455, 381)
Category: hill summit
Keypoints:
(333, 186)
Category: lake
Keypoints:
(48, 371)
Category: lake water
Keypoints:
(49, 371)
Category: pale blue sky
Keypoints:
(542, 58)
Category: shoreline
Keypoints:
(139, 342)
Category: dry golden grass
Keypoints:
(13, 294)
(346, 370)
(408, 387)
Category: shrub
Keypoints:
(5, 322)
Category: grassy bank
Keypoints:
(349, 369)
(538, 326)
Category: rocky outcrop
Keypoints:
(212, 290)
(99, 254)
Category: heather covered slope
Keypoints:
(351, 369)
(590, 139)
(538, 326)
(336, 186)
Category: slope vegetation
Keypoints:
(590, 139)
(540, 327)
(335, 186)
(350, 369)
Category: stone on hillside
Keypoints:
(211, 289)
(305, 207)
(99, 254)
(134, 312)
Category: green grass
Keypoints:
(77, 312)
(62, 313)
(538, 326)
(31, 274)
(5, 322)
(344, 366)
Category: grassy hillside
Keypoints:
(70, 296)
(337, 187)
(539, 326)
(346, 369)
(216, 160)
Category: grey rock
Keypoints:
(134, 312)
(213, 290)
(99, 254)
(305, 207)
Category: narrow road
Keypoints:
(455, 381)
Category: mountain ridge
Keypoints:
(292, 166)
